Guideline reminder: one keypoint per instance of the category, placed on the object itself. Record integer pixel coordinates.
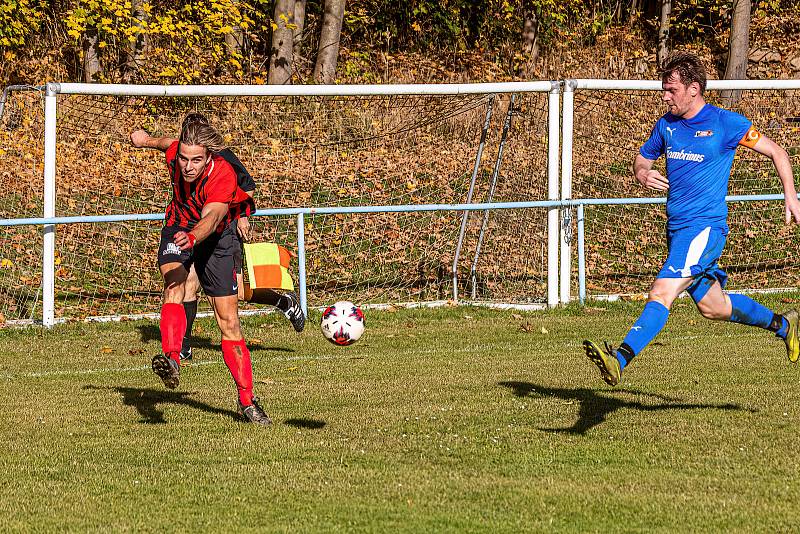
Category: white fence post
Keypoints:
(568, 110)
(553, 133)
(49, 248)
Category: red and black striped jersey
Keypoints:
(216, 184)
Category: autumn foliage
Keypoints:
(228, 41)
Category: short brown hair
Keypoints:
(688, 68)
(197, 133)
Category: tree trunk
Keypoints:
(739, 48)
(299, 22)
(328, 54)
(59, 9)
(280, 62)
(530, 40)
(235, 40)
(91, 57)
(471, 16)
(663, 32)
(136, 49)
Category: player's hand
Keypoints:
(243, 227)
(139, 138)
(654, 180)
(792, 209)
(184, 240)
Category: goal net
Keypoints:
(626, 244)
(303, 151)
(21, 194)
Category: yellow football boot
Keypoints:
(607, 362)
(792, 339)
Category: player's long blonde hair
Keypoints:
(202, 134)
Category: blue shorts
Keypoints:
(693, 253)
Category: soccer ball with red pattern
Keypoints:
(342, 323)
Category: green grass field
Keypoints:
(447, 420)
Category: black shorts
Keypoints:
(216, 259)
(237, 250)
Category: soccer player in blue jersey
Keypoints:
(699, 141)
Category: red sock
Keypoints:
(173, 328)
(237, 358)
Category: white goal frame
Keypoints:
(49, 221)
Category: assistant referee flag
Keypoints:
(268, 266)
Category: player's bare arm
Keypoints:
(780, 158)
(647, 176)
(141, 139)
(213, 213)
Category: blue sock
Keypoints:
(784, 328)
(747, 311)
(644, 330)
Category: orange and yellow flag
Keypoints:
(268, 266)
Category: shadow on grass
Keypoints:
(310, 424)
(149, 332)
(146, 402)
(595, 407)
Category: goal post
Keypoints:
(368, 183)
(48, 250)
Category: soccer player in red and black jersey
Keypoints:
(200, 231)
(287, 302)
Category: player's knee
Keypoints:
(173, 293)
(191, 290)
(706, 312)
(230, 327)
(656, 295)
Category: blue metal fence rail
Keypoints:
(301, 213)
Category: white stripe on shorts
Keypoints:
(696, 249)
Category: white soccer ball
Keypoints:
(342, 323)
